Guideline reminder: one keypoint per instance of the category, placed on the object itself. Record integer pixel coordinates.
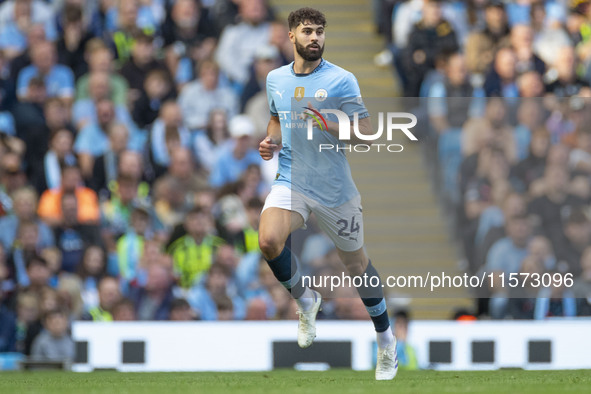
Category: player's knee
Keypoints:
(270, 245)
(355, 268)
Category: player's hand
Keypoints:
(308, 112)
(267, 148)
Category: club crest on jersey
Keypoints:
(321, 95)
(299, 93)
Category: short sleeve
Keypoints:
(272, 107)
(352, 101)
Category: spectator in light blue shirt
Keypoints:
(99, 88)
(200, 97)
(505, 257)
(214, 299)
(59, 80)
(93, 141)
(234, 158)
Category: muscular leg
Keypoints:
(358, 264)
(275, 226)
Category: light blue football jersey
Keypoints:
(324, 176)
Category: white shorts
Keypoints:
(343, 224)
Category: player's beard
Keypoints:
(307, 54)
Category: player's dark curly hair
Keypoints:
(304, 15)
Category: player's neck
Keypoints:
(301, 66)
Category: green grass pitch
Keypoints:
(288, 381)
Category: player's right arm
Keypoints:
(271, 143)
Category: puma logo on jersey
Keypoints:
(280, 94)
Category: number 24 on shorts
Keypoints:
(344, 223)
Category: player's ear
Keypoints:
(291, 35)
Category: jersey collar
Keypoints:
(318, 67)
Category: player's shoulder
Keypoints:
(338, 71)
(279, 72)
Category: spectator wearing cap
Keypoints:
(50, 204)
(266, 59)
(235, 158)
(59, 79)
(200, 97)
(481, 46)
(238, 43)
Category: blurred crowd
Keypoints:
(505, 87)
